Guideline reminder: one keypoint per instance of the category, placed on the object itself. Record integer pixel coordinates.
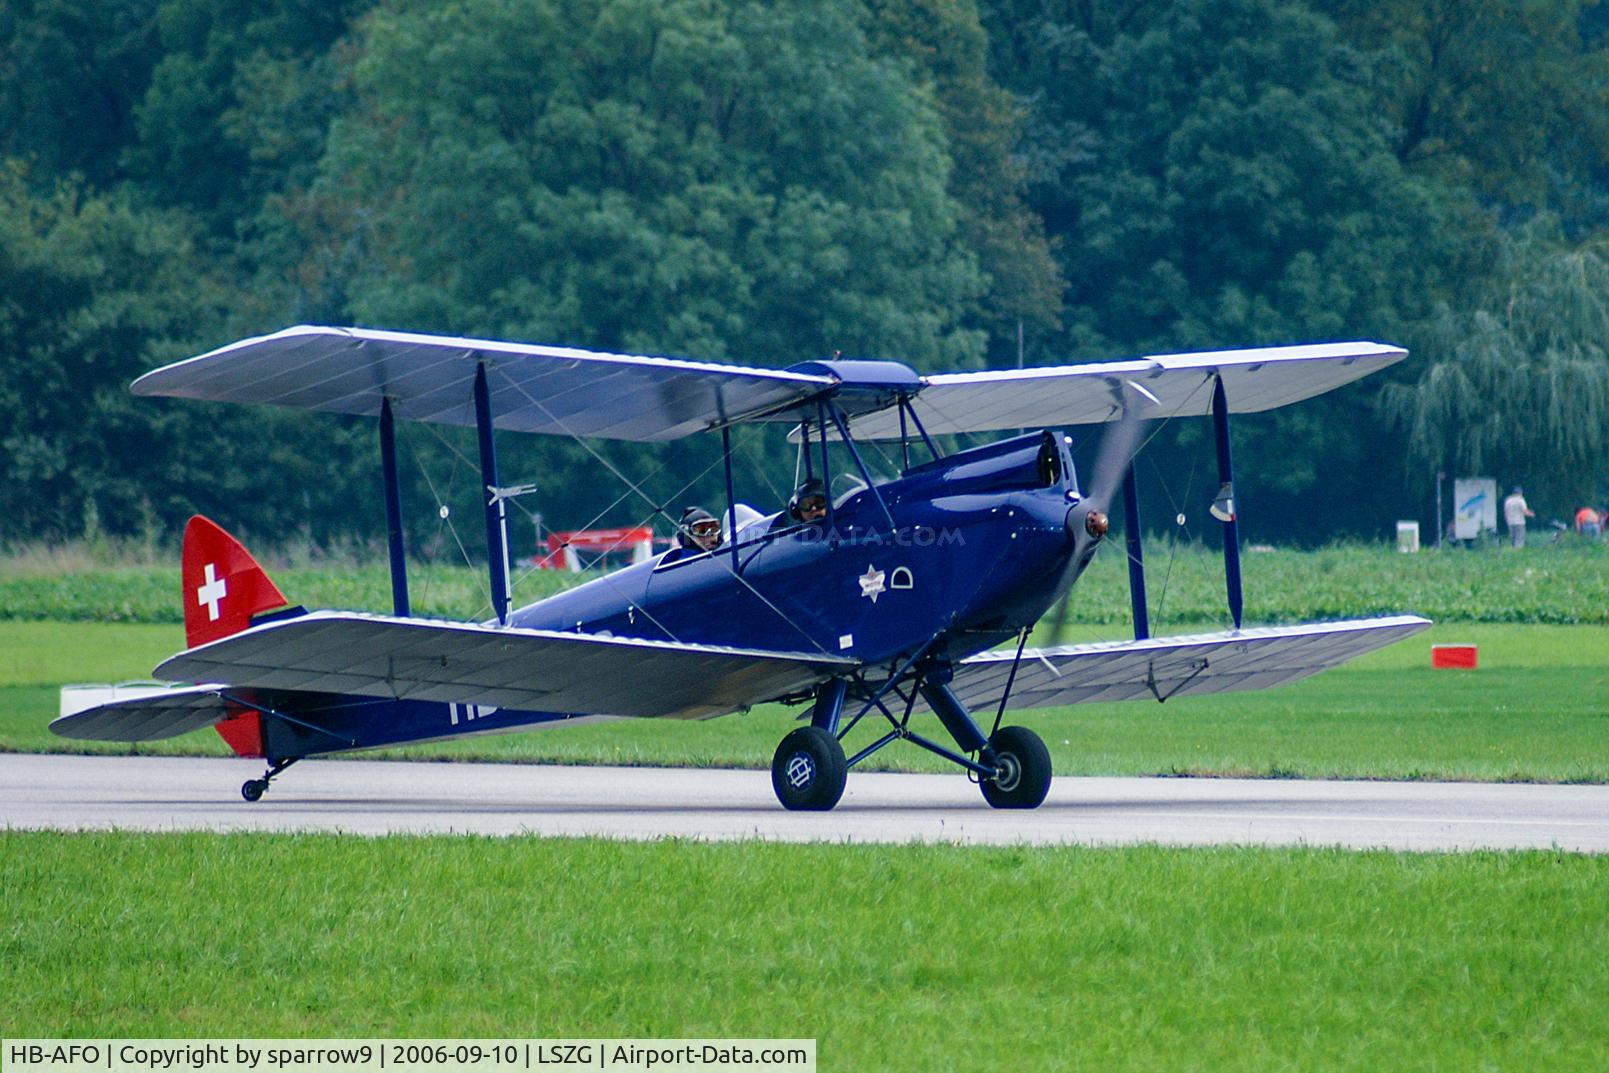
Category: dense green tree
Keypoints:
(763, 182)
(1517, 385)
(71, 75)
(724, 180)
(982, 122)
(1215, 174)
(1498, 96)
(238, 105)
(91, 289)
(94, 290)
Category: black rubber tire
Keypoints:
(252, 789)
(808, 772)
(1025, 764)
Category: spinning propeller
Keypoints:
(1090, 518)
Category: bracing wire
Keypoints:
(1173, 532)
(619, 542)
(487, 605)
(596, 518)
(444, 512)
(659, 510)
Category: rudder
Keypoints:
(223, 587)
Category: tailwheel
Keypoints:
(253, 789)
(1023, 766)
(808, 771)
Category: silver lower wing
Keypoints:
(538, 670)
(1161, 668)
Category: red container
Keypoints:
(1455, 657)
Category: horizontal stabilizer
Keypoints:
(1160, 668)
(148, 718)
(582, 674)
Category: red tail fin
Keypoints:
(223, 585)
(223, 588)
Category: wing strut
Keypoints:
(866, 474)
(393, 511)
(1224, 507)
(496, 522)
(1136, 550)
(731, 497)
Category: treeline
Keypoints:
(952, 183)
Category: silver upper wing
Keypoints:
(1254, 380)
(537, 670)
(565, 391)
(547, 389)
(1161, 668)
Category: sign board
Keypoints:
(1408, 536)
(1474, 507)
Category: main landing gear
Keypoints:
(253, 789)
(1022, 765)
(808, 772)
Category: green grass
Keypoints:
(1536, 710)
(1562, 584)
(55, 653)
(892, 957)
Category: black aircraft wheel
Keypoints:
(808, 772)
(1024, 762)
(252, 789)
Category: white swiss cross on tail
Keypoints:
(223, 585)
(213, 592)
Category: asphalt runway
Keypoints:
(375, 797)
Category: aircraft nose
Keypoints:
(1086, 521)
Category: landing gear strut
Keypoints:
(253, 789)
(1012, 765)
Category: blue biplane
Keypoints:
(913, 593)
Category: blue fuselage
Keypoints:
(982, 543)
(979, 547)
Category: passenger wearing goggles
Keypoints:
(698, 530)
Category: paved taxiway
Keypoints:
(372, 797)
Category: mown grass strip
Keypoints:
(893, 957)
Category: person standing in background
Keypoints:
(1515, 511)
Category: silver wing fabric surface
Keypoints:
(538, 670)
(1254, 380)
(161, 715)
(565, 391)
(545, 389)
(1162, 668)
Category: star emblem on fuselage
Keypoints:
(871, 583)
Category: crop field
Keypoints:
(1563, 584)
(893, 958)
